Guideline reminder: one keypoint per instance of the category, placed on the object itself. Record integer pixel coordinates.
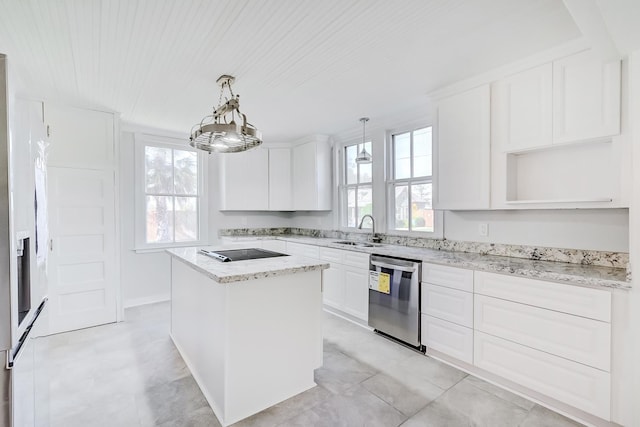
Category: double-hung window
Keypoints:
(357, 189)
(170, 203)
(410, 182)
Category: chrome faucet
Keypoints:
(374, 238)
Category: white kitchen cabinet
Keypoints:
(447, 310)
(447, 338)
(586, 98)
(451, 277)
(244, 180)
(311, 175)
(576, 300)
(280, 189)
(575, 384)
(447, 304)
(310, 251)
(333, 286)
(576, 338)
(462, 150)
(552, 338)
(356, 292)
(346, 282)
(521, 110)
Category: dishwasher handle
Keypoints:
(394, 267)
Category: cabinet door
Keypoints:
(280, 179)
(305, 194)
(311, 176)
(586, 98)
(333, 286)
(244, 180)
(462, 151)
(521, 110)
(356, 292)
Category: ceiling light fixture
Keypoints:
(219, 131)
(363, 156)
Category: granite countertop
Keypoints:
(240, 271)
(572, 274)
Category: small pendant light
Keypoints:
(363, 156)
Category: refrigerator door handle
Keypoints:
(14, 354)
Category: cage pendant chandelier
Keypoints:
(219, 132)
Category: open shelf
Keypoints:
(566, 174)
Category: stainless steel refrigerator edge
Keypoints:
(6, 250)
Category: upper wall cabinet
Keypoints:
(586, 98)
(244, 180)
(277, 179)
(462, 149)
(312, 189)
(521, 110)
(280, 197)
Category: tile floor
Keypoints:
(130, 374)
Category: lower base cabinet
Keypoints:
(573, 383)
(448, 338)
(345, 283)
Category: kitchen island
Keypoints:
(249, 331)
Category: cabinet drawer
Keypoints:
(586, 302)
(340, 256)
(575, 384)
(448, 304)
(300, 249)
(575, 338)
(450, 277)
(448, 338)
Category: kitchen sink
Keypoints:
(357, 244)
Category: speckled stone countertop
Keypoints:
(572, 274)
(241, 271)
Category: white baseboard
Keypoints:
(147, 300)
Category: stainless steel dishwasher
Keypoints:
(394, 298)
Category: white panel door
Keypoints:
(82, 282)
(462, 150)
(83, 266)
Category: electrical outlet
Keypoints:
(483, 229)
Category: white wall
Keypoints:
(145, 277)
(595, 229)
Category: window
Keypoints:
(410, 186)
(169, 200)
(357, 190)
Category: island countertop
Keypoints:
(240, 271)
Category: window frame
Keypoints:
(141, 142)
(343, 190)
(391, 183)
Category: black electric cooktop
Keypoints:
(240, 254)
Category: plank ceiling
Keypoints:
(302, 66)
